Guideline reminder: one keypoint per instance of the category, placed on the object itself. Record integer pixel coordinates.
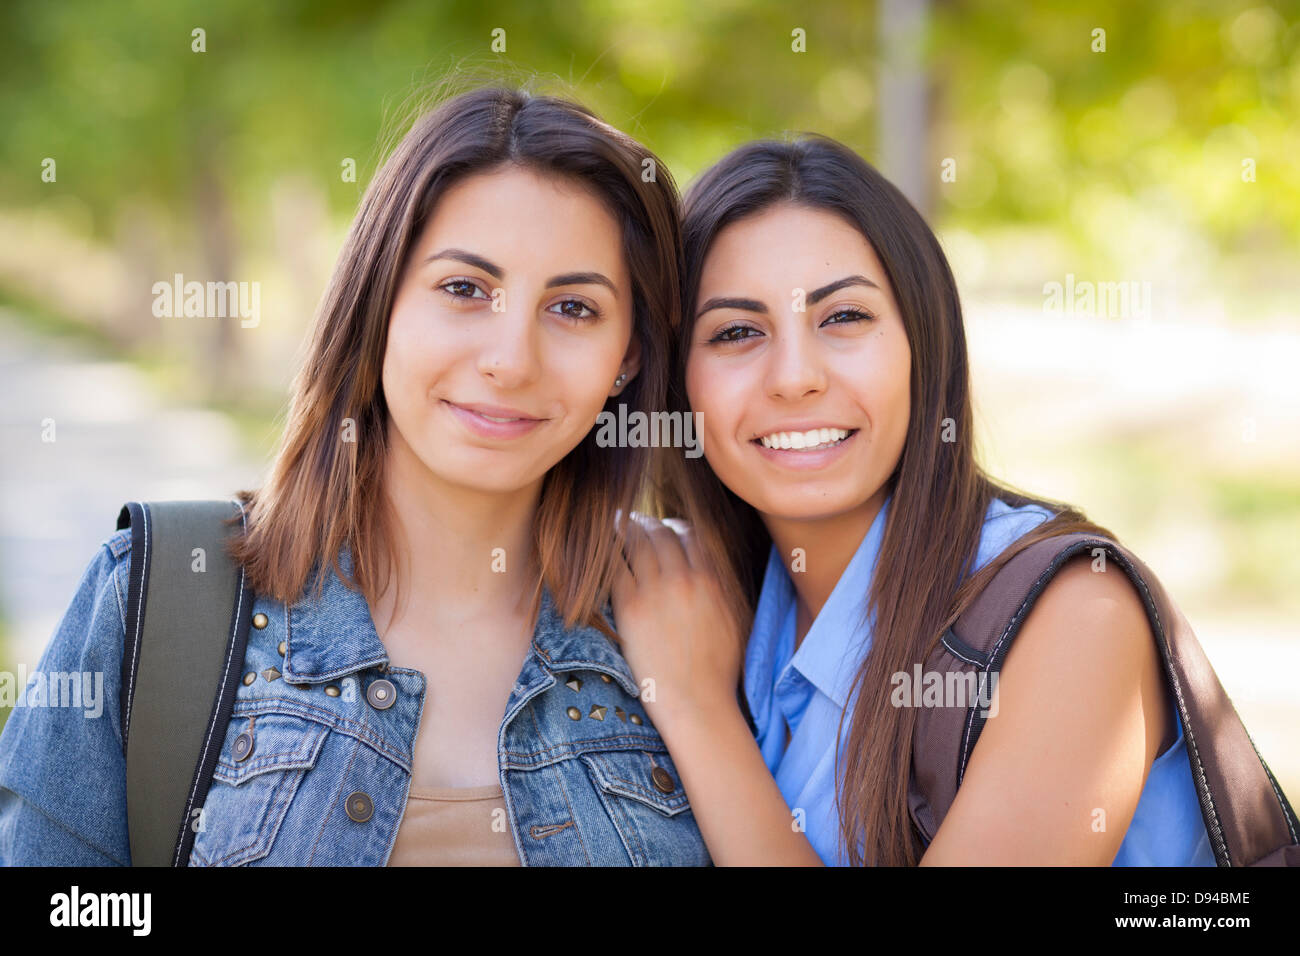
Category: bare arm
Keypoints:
(675, 632)
(1057, 774)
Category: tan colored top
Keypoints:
(454, 826)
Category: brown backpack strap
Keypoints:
(1246, 815)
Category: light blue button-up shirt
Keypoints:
(807, 690)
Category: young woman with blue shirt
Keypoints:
(837, 517)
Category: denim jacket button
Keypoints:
(243, 746)
(381, 694)
(663, 780)
(360, 806)
(259, 620)
(332, 690)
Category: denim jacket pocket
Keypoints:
(643, 796)
(257, 775)
(642, 775)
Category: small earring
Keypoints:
(620, 380)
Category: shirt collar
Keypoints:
(834, 646)
(333, 635)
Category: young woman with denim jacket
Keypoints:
(432, 553)
(840, 510)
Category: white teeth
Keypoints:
(494, 419)
(816, 438)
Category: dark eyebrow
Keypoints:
(726, 302)
(581, 278)
(753, 305)
(818, 294)
(496, 272)
(478, 262)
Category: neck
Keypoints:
(828, 545)
(447, 541)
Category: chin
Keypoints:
(478, 481)
(806, 506)
(489, 472)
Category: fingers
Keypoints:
(653, 548)
(667, 545)
(638, 549)
(686, 535)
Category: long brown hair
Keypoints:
(939, 494)
(325, 492)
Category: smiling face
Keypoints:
(509, 326)
(804, 412)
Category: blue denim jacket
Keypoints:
(586, 778)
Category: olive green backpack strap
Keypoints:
(188, 610)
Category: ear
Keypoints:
(631, 364)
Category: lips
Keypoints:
(493, 421)
(497, 413)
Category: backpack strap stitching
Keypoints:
(1287, 813)
(1012, 627)
(129, 690)
(963, 651)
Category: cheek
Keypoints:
(891, 396)
(415, 357)
(584, 370)
(720, 394)
(707, 388)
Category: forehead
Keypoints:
(522, 218)
(789, 242)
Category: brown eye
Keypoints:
(848, 315)
(462, 289)
(733, 333)
(577, 310)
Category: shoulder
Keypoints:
(65, 770)
(105, 578)
(94, 623)
(1087, 640)
(1093, 601)
(1078, 711)
(119, 544)
(118, 566)
(90, 634)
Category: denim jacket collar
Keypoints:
(334, 635)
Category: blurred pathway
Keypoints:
(1218, 398)
(116, 440)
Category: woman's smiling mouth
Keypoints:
(805, 448)
(810, 439)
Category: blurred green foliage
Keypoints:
(1043, 128)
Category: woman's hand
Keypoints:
(684, 647)
(678, 636)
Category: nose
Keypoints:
(795, 369)
(509, 354)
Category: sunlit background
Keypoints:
(1117, 188)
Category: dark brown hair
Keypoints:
(324, 493)
(939, 493)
